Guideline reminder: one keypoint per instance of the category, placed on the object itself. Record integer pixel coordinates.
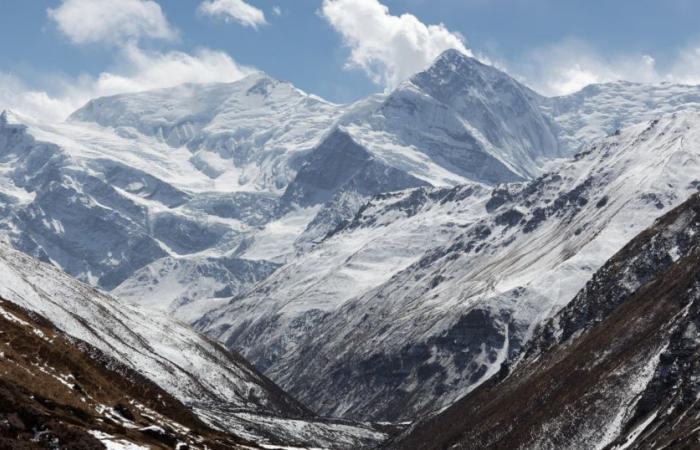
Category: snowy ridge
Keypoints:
(400, 250)
(150, 343)
(616, 365)
(240, 134)
(460, 120)
(601, 109)
(193, 369)
(449, 316)
(246, 170)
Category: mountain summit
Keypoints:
(503, 111)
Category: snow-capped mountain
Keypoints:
(240, 135)
(425, 293)
(616, 368)
(223, 389)
(601, 109)
(370, 250)
(462, 121)
(226, 181)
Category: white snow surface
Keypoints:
(241, 133)
(187, 365)
(397, 280)
(181, 361)
(153, 195)
(112, 443)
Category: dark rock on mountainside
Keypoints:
(617, 366)
(59, 392)
(340, 164)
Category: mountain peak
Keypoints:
(455, 61)
(452, 54)
(454, 74)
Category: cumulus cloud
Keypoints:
(121, 23)
(111, 21)
(234, 10)
(135, 70)
(388, 48)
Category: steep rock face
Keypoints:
(105, 219)
(469, 121)
(615, 368)
(500, 109)
(340, 175)
(436, 323)
(339, 164)
(60, 213)
(220, 387)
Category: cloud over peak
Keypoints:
(121, 24)
(388, 48)
(571, 64)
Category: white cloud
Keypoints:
(391, 48)
(388, 48)
(16, 96)
(135, 70)
(121, 23)
(276, 10)
(571, 64)
(111, 21)
(686, 67)
(234, 10)
(140, 70)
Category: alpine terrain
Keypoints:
(617, 366)
(459, 262)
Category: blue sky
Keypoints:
(341, 50)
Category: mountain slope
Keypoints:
(601, 109)
(471, 120)
(257, 123)
(616, 368)
(335, 242)
(227, 178)
(59, 392)
(220, 387)
(424, 294)
(239, 170)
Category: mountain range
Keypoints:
(398, 259)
